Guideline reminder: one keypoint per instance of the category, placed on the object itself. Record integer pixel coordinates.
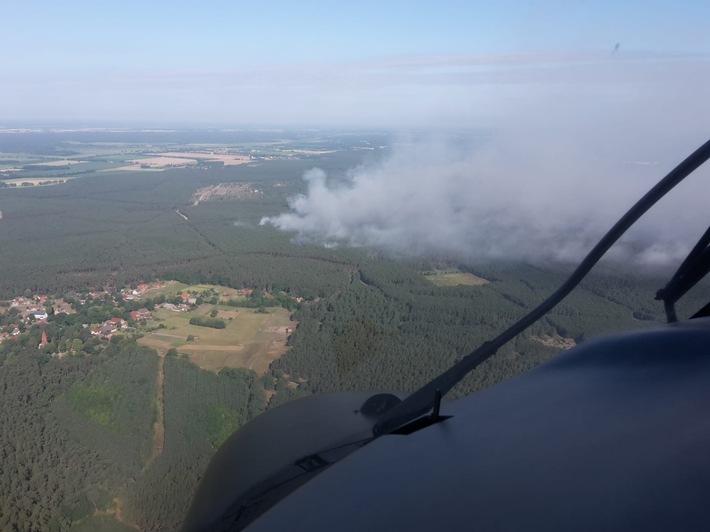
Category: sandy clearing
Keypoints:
(227, 159)
(225, 191)
(556, 341)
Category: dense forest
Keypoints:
(78, 438)
(115, 436)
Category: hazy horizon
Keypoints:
(395, 65)
(588, 105)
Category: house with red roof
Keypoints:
(141, 314)
(119, 322)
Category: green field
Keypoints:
(250, 340)
(455, 278)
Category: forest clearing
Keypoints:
(249, 340)
(455, 278)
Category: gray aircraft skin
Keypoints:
(611, 435)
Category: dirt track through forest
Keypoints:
(159, 426)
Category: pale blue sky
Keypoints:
(381, 63)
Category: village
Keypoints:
(84, 323)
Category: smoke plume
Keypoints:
(555, 168)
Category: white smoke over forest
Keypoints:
(555, 170)
(521, 201)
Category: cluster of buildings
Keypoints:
(36, 308)
(176, 308)
(5, 335)
(33, 307)
(245, 292)
(110, 326)
(140, 314)
(188, 299)
(107, 328)
(131, 294)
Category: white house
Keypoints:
(39, 314)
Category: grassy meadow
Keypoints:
(250, 340)
(455, 278)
